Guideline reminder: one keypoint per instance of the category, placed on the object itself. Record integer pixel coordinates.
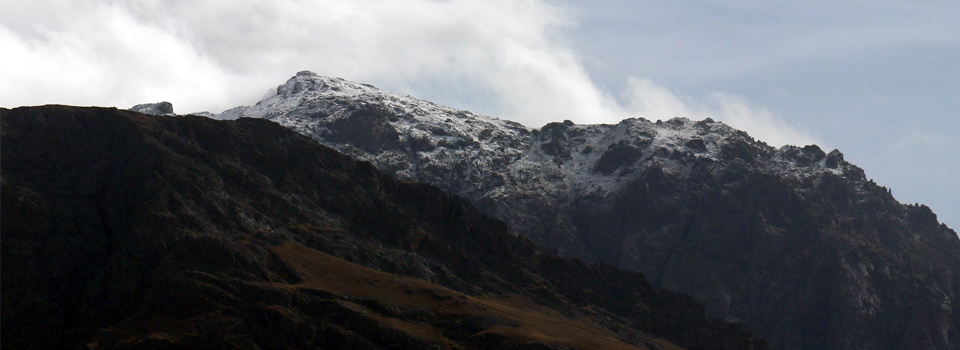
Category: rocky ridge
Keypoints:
(795, 242)
(503, 166)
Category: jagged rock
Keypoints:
(159, 108)
(795, 243)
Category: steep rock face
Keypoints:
(123, 230)
(794, 242)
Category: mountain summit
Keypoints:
(794, 242)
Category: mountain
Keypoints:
(129, 231)
(794, 242)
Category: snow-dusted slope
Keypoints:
(510, 171)
(419, 140)
(407, 136)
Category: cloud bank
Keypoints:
(506, 58)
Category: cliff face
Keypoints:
(794, 242)
(123, 230)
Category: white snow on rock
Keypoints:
(502, 165)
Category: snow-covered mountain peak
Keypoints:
(307, 94)
(501, 162)
(310, 81)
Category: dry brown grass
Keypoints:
(536, 323)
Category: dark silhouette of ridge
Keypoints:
(123, 230)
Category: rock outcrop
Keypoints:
(159, 108)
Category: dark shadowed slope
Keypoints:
(794, 242)
(122, 230)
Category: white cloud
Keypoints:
(215, 54)
(759, 122)
(653, 101)
(105, 59)
(921, 140)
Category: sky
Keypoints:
(878, 80)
